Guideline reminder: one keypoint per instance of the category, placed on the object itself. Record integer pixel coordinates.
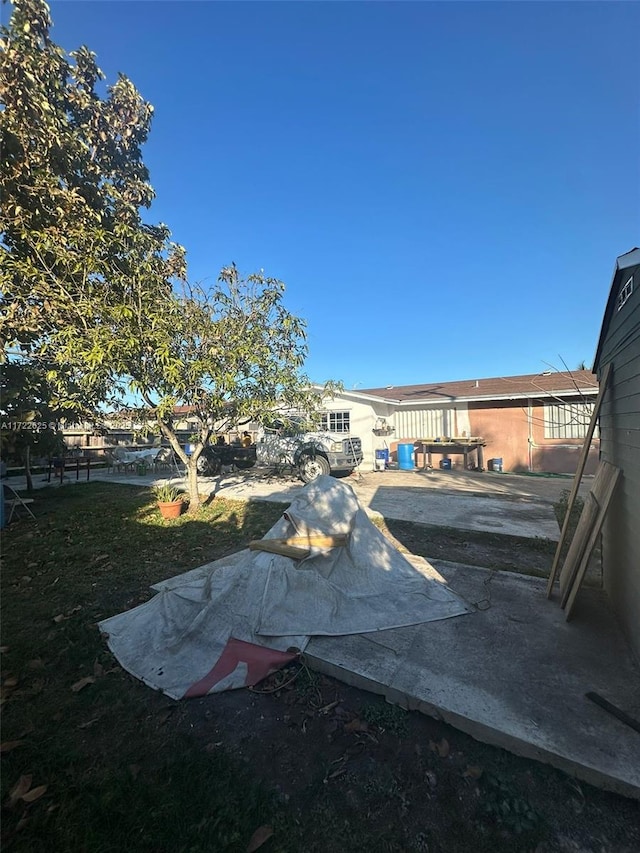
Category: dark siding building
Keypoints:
(619, 345)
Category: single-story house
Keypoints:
(619, 346)
(533, 423)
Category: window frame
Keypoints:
(625, 294)
(340, 415)
(571, 428)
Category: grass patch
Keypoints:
(386, 717)
(560, 508)
(523, 555)
(118, 774)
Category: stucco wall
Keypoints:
(505, 431)
(363, 416)
(506, 428)
(514, 431)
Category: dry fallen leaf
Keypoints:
(88, 679)
(262, 834)
(473, 772)
(4, 649)
(34, 794)
(20, 789)
(10, 682)
(339, 772)
(59, 618)
(356, 726)
(442, 747)
(329, 707)
(24, 820)
(98, 669)
(9, 745)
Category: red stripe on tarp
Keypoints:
(260, 663)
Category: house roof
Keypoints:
(547, 384)
(623, 264)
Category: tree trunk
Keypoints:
(27, 468)
(190, 461)
(192, 482)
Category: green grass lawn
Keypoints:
(118, 776)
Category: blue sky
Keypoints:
(444, 187)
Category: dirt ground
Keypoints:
(491, 551)
(340, 754)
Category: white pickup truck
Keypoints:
(311, 453)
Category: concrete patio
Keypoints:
(513, 674)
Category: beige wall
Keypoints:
(514, 432)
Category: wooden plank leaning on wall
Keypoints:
(582, 461)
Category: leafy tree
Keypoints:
(230, 354)
(72, 183)
(95, 292)
(30, 425)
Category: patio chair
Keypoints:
(122, 460)
(113, 464)
(164, 460)
(13, 502)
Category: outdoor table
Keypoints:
(144, 456)
(137, 455)
(452, 447)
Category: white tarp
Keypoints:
(229, 623)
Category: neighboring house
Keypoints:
(619, 346)
(533, 423)
(124, 429)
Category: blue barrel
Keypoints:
(496, 465)
(445, 464)
(405, 457)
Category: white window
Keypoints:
(567, 420)
(625, 293)
(336, 422)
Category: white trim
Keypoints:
(625, 293)
(445, 399)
